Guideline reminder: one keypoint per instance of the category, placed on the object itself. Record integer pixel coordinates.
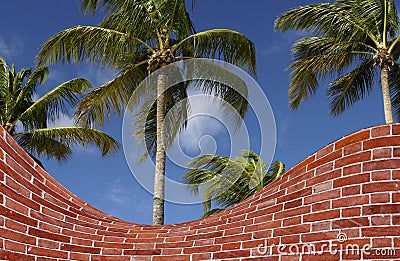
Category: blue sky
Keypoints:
(107, 183)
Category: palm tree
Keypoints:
(228, 181)
(26, 120)
(351, 41)
(137, 37)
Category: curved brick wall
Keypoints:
(351, 187)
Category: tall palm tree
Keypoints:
(137, 37)
(228, 181)
(26, 120)
(352, 41)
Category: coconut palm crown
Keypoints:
(226, 181)
(355, 42)
(26, 119)
(137, 37)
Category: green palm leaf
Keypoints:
(57, 142)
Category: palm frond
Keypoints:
(337, 20)
(87, 43)
(394, 83)
(315, 59)
(351, 87)
(111, 97)
(55, 101)
(57, 142)
(223, 44)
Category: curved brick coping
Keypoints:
(351, 186)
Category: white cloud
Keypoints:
(205, 118)
(62, 121)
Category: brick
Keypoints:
(353, 138)
(352, 190)
(381, 242)
(382, 164)
(321, 206)
(382, 153)
(324, 169)
(381, 209)
(380, 198)
(290, 239)
(380, 220)
(299, 186)
(291, 221)
(80, 249)
(380, 131)
(380, 175)
(2, 157)
(381, 231)
(295, 195)
(381, 142)
(350, 201)
(396, 197)
(293, 204)
(322, 187)
(299, 229)
(17, 217)
(48, 243)
(325, 151)
(331, 214)
(202, 256)
(324, 177)
(350, 222)
(231, 254)
(236, 238)
(322, 196)
(125, 258)
(18, 237)
(350, 170)
(15, 246)
(15, 226)
(353, 148)
(351, 212)
(396, 174)
(381, 187)
(352, 159)
(320, 226)
(319, 236)
(328, 158)
(114, 252)
(8, 255)
(43, 234)
(293, 212)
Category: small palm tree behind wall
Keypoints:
(225, 181)
(355, 41)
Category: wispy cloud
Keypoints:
(281, 43)
(11, 47)
(118, 193)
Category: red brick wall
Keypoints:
(349, 188)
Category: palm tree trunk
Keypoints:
(387, 105)
(159, 175)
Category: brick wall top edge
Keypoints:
(105, 217)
